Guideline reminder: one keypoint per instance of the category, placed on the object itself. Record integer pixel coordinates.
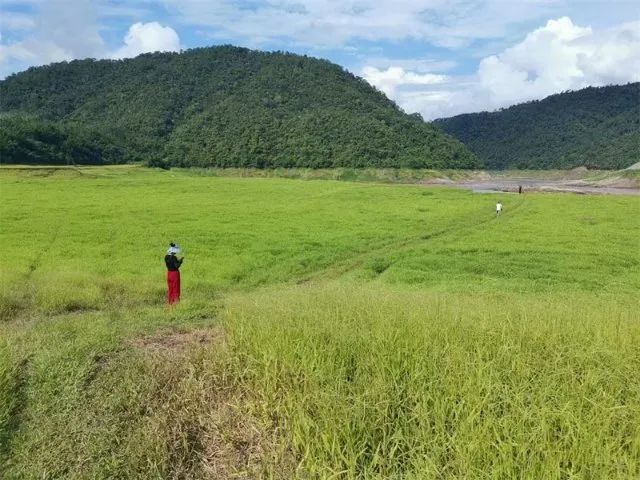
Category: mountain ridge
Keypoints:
(596, 127)
(219, 107)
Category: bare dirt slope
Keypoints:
(581, 181)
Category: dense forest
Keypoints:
(594, 127)
(220, 106)
(32, 141)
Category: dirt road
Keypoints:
(512, 185)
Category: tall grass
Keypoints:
(378, 383)
(370, 331)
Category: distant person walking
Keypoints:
(498, 208)
(173, 264)
(519, 189)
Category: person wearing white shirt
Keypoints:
(498, 208)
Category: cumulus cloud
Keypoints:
(388, 80)
(561, 56)
(418, 65)
(148, 37)
(60, 30)
(557, 57)
(51, 40)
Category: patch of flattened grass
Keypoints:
(378, 265)
(179, 341)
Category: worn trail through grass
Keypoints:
(470, 222)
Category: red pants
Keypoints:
(173, 282)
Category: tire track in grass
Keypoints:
(27, 296)
(37, 260)
(469, 222)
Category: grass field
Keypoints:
(327, 330)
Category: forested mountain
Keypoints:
(594, 127)
(220, 106)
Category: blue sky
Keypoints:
(435, 57)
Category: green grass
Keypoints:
(327, 330)
(376, 383)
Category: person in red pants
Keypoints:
(173, 264)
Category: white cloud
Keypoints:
(12, 21)
(148, 37)
(419, 65)
(51, 40)
(388, 80)
(448, 23)
(559, 56)
(62, 30)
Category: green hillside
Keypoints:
(594, 127)
(221, 106)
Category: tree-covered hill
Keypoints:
(220, 106)
(593, 127)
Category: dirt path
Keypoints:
(512, 184)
